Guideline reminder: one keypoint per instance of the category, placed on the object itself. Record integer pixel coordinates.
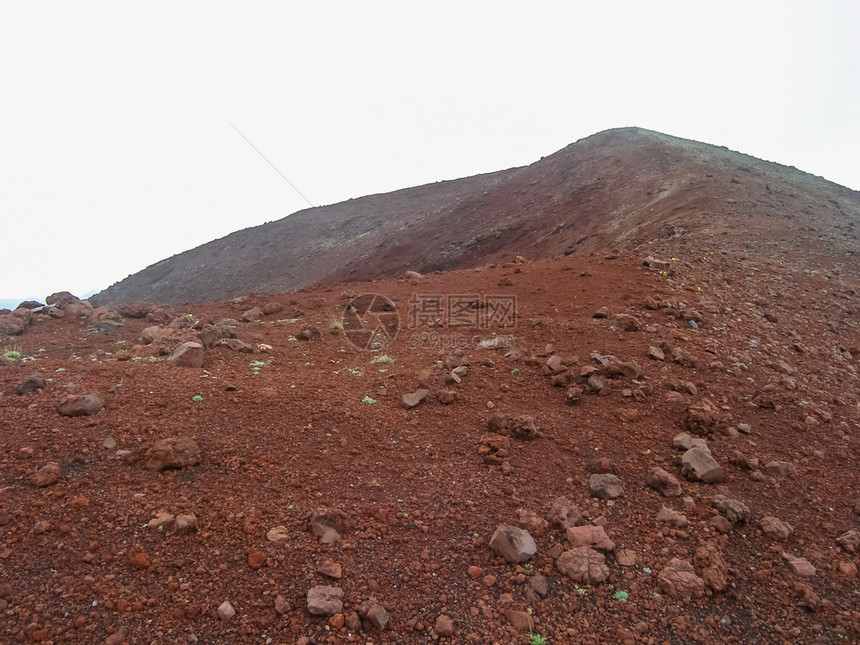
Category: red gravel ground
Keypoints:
(290, 428)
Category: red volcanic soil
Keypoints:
(627, 189)
(767, 376)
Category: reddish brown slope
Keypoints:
(624, 189)
(288, 429)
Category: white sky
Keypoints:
(116, 149)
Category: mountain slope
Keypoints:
(624, 189)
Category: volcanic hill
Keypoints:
(641, 428)
(626, 189)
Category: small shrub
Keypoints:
(12, 353)
(382, 358)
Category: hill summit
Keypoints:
(623, 189)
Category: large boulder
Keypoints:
(69, 304)
(15, 322)
(173, 452)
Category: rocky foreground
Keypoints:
(650, 452)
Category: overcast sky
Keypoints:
(116, 148)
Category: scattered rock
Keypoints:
(519, 620)
(188, 354)
(256, 558)
(272, 308)
(226, 611)
(173, 452)
(47, 475)
(327, 524)
(698, 464)
(626, 322)
(80, 405)
(663, 482)
(539, 585)
(325, 601)
(669, 516)
(251, 315)
(625, 557)
(591, 536)
(152, 334)
(532, 522)
(446, 397)
(414, 398)
(309, 334)
(140, 560)
(444, 626)
(374, 612)
(702, 418)
(278, 534)
(330, 569)
(520, 427)
(775, 529)
(720, 524)
(849, 540)
(683, 357)
(238, 345)
(583, 564)
(656, 353)
(735, 511)
(684, 441)
(713, 567)
(780, 469)
(564, 513)
(512, 543)
(282, 605)
(185, 524)
(801, 566)
(605, 486)
(678, 580)
(162, 521)
(31, 383)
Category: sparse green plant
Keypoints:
(12, 352)
(535, 639)
(620, 595)
(382, 358)
(197, 398)
(368, 400)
